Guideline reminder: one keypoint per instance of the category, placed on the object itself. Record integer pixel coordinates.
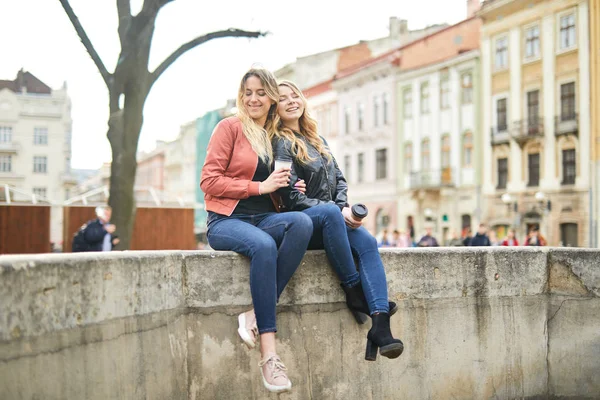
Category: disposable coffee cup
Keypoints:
(359, 211)
(283, 164)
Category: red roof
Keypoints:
(318, 88)
(429, 49)
(390, 56)
(28, 81)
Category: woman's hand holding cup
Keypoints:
(278, 179)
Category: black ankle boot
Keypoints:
(357, 303)
(380, 337)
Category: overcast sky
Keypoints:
(37, 36)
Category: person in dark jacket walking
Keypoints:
(480, 238)
(98, 234)
(335, 228)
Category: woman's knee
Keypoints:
(264, 246)
(365, 239)
(299, 221)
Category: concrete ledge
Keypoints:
(477, 323)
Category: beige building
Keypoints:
(536, 108)
(35, 143)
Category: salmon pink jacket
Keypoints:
(229, 168)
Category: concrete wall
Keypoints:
(498, 323)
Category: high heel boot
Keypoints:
(357, 303)
(380, 337)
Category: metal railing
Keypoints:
(438, 178)
(566, 124)
(499, 135)
(528, 129)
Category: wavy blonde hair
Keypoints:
(257, 135)
(308, 129)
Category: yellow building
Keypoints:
(595, 112)
(535, 58)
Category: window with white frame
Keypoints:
(407, 102)
(381, 164)
(5, 134)
(361, 116)
(567, 101)
(532, 42)
(425, 98)
(408, 156)
(40, 135)
(468, 149)
(567, 38)
(425, 155)
(446, 151)
(501, 116)
(386, 108)
(569, 166)
(347, 120)
(445, 92)
(501, 60)
(5, 163)
(40, 164)
(361, 167)
(467, 88)
(347, 166)
(40, 191)
(376, 111)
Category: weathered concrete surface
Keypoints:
(476, 323)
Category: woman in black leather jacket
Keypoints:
(335, 229)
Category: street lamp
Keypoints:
(508, 200)
(545, 205)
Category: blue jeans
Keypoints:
(341, 243)
(275, 244)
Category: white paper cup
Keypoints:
(282, 164)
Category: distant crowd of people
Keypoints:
(483, 237)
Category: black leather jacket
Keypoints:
(325, 183)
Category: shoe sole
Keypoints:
(243, 332)
(393, 350)
(273, 388)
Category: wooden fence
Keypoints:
(24, 229)
(153, 229)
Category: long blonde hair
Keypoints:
(257, 135)
(308, 129)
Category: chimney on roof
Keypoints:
(398, 27)
(472, 7)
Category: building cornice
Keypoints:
(420, 71)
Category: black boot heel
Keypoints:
(360, 318)
(371, 352)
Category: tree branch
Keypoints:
(86, 42)
(198, 41)
(124, 11)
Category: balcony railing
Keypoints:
(499, 135)
(433, 179)
(528, 129)
(566, 125)
(10, 147)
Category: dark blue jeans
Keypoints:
(275, 244)
(341, 243)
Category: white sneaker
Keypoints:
(274, 376)
(247, 330)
